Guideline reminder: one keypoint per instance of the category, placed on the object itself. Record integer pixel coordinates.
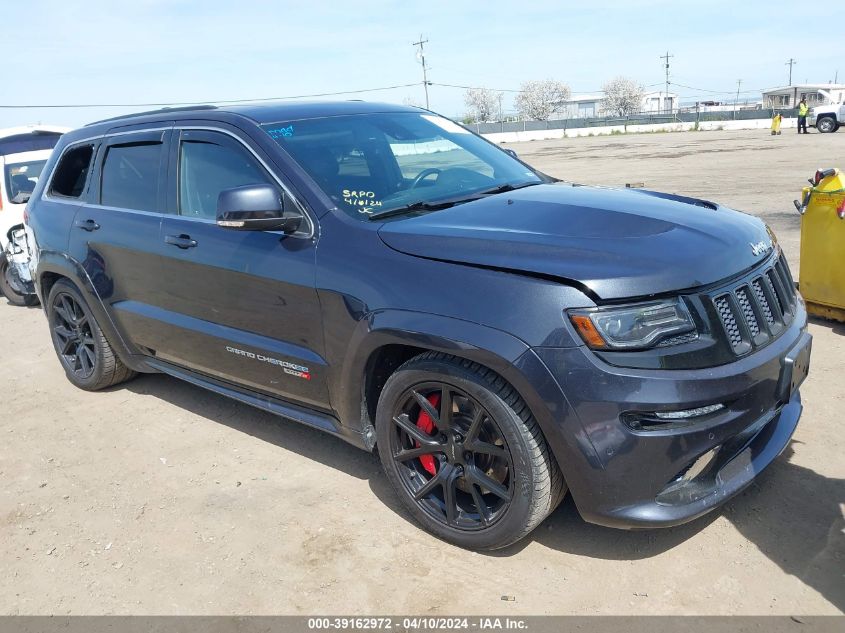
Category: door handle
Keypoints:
(87, 225)
(182, 241)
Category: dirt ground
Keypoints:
(160, 498)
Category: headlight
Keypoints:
(633, 326)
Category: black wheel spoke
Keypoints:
(426, 406)
(63, 314)
(475, 425)
(450, 501)
(69, 312)
(416, 433)
(451, 455)
(82, 359)
(414, 453)
(484, 448)
(481, 479)
(432, 484)
(73, 335)
(65, 337)
(445, 408)
(480, 505)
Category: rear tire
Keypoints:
(826, 125)
(484, 456)
(7, 287)
(86, 355)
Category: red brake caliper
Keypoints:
(425, 423)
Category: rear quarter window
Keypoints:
(71, 173)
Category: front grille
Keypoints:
(723, 305)
(756, 309)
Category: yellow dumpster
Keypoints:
(822, 276)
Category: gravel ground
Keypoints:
(160, 498)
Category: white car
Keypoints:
(23, 153)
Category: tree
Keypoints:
(482, 103)
(622, 96)
(410, 101)
(538, 99)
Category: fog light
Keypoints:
(688, 413)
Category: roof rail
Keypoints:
(150, 112)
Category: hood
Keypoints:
(618, 243)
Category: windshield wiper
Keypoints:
(420, 205)
(508, 187)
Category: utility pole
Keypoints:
(666, 67)
(790, 63)
(421, 56)
(501, 118)
(736, 101)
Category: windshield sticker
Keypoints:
(281, 132)
(365, 200)
(445, 124)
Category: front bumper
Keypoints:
(667, 475)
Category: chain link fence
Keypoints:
(633, 119)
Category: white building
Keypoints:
(660, 102)
(590, 105)
(815, 94)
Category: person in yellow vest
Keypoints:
(803, 111)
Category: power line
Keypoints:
(516, 91)
(715, 92)
(221, 101)
(165, 104)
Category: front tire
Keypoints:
(83, 350)
(464, 454)
(9, 287)
(826, 125)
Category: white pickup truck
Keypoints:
(828, 117)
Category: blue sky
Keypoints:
(142, 51)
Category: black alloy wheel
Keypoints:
(73, 335)
(451, 456)
(463, 452)
(86, 355)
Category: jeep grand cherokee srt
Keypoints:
(382, 274)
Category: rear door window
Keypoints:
(132, 175)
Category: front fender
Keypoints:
(505, 354)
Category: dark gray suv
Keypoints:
(381, 273)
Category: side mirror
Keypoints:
(257, 208)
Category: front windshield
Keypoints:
(371, 164)
(21, 178)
